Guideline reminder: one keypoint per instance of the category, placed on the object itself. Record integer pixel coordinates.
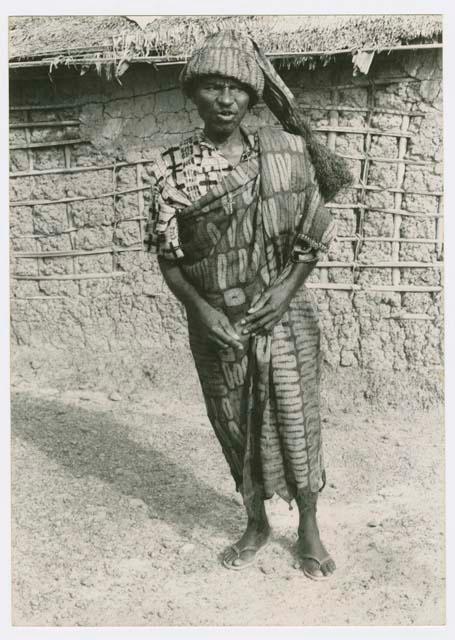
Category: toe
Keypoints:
(328, 567)
(331, 565)
(312, 567)
(229, 555)
(245, 556)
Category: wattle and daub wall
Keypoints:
(88, 301)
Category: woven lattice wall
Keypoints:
(77, 215)
(390, 198)
(66, 228)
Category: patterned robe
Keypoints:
(235, 232)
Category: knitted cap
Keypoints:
(226, 53)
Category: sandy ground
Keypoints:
(122, 507)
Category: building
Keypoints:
(93, 97)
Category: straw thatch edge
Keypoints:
(115, 42)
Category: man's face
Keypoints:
(222, 103)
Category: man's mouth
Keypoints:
(226, 115)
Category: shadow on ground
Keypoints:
(90, 442)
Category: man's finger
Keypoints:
(258, 315)
(259, 303)
(229, 329)
(269, 326)
(226, 338)
(218, 342)
(259, 325)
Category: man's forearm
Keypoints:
(188, 295)
(298, 273)
(182, 289)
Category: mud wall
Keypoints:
(88, 303)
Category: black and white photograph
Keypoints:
(226, 319)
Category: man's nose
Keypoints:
(226, 97)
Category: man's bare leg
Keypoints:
(310, 543)
(256, 535)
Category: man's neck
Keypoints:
(221, 141)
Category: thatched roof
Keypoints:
(86, 40)
(34, 36)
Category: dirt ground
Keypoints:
(122, 507)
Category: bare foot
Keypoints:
(244, 550)
(320, 564)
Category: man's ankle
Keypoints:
(308, 524)
(258, 523)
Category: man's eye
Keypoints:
(219, 88)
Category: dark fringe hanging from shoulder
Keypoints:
(332, 171)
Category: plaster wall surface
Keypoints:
(65, 311)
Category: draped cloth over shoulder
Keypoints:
(232, 244)
(332, 171)
(238, 240)
(232, 53)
